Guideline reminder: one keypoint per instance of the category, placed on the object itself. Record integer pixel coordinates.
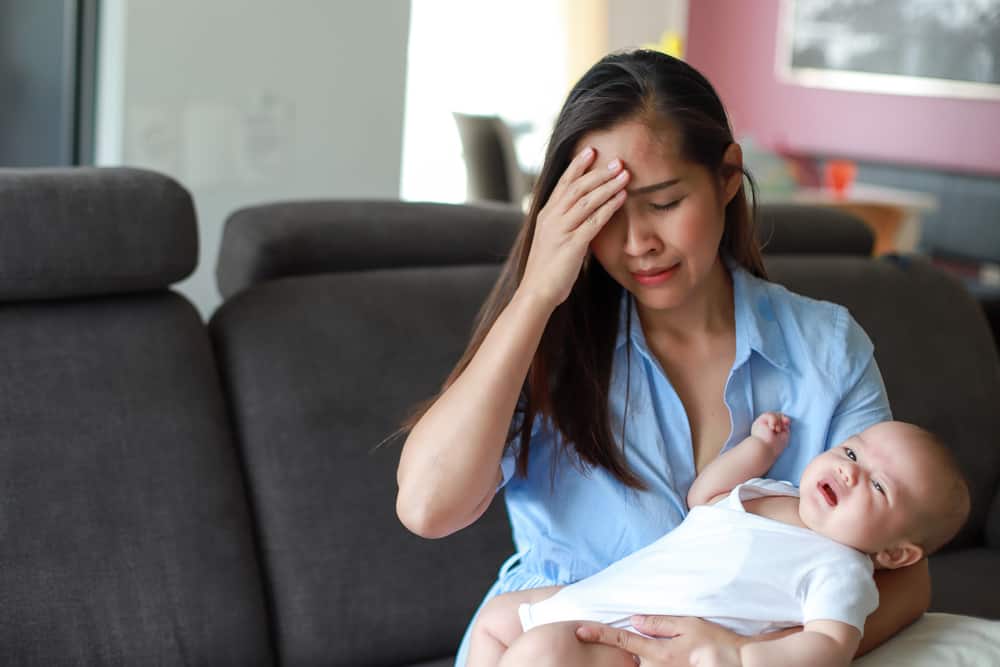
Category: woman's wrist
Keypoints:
(533, 302)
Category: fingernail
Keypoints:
(613, 165)
(621, 176)
(586, 152)
(584, 633)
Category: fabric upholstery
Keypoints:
(964, 582)
(806, 230)
(125, 531)
(92, 231)
(299, 238)
(320, 370)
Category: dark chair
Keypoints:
(491, 164)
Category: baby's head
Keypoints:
(893, 491)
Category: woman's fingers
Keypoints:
(596, 633)
(577, 166)
(591, 190)
(662, 626)
(594, 223)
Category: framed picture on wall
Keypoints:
(948, 48)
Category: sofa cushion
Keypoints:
(320, 371)
(787, 228)
(965, 582)
(92, 231)
(265, 242)
(125, 531)
(271, 241)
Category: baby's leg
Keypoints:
(498, 625)
(556, 645)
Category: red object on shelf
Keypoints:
(838, 175)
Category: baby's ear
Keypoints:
(901, 555)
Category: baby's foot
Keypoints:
(772, 429)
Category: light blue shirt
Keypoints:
(805, 358)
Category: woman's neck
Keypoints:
(707, 311)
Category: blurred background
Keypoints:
(887, 108)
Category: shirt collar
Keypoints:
(757, 327)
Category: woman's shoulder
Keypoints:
(822, 329)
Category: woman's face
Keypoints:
(663, 243)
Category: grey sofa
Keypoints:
(183, 494)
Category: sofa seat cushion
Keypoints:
(125, 531)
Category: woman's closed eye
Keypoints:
(666, 207)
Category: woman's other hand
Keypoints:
(679, 640)
(580, 205)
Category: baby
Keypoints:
(761, 555)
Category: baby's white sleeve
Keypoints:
(840, 591)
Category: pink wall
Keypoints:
(732, 42)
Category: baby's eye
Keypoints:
(878, 487)
(850, 453)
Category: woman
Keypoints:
(630, 338)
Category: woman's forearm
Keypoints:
(450, 464)
(904, 595)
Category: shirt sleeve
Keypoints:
(864, 401)
(508, 462)
(840, 591)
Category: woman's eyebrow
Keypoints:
(655, 186)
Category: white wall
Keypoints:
(247, 101)
(496, 62)
(633, 23)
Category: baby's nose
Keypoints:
(849, 474)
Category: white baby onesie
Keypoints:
(746, 572)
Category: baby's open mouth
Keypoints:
(828, 494)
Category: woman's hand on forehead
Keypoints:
(584, 199)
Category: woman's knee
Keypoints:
(556, 645)
(542, 646)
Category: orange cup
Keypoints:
(838, 175)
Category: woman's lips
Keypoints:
(655, 276)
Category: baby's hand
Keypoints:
(772, 429)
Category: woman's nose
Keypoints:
(640, 239)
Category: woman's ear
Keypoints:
(732, 172)
(901, 555)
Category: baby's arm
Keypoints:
(820, 644)
(498, 624)
(750, 458)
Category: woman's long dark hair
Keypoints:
(570, 375)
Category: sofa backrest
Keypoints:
(269, 241)
(321, 369)
(125, 535)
